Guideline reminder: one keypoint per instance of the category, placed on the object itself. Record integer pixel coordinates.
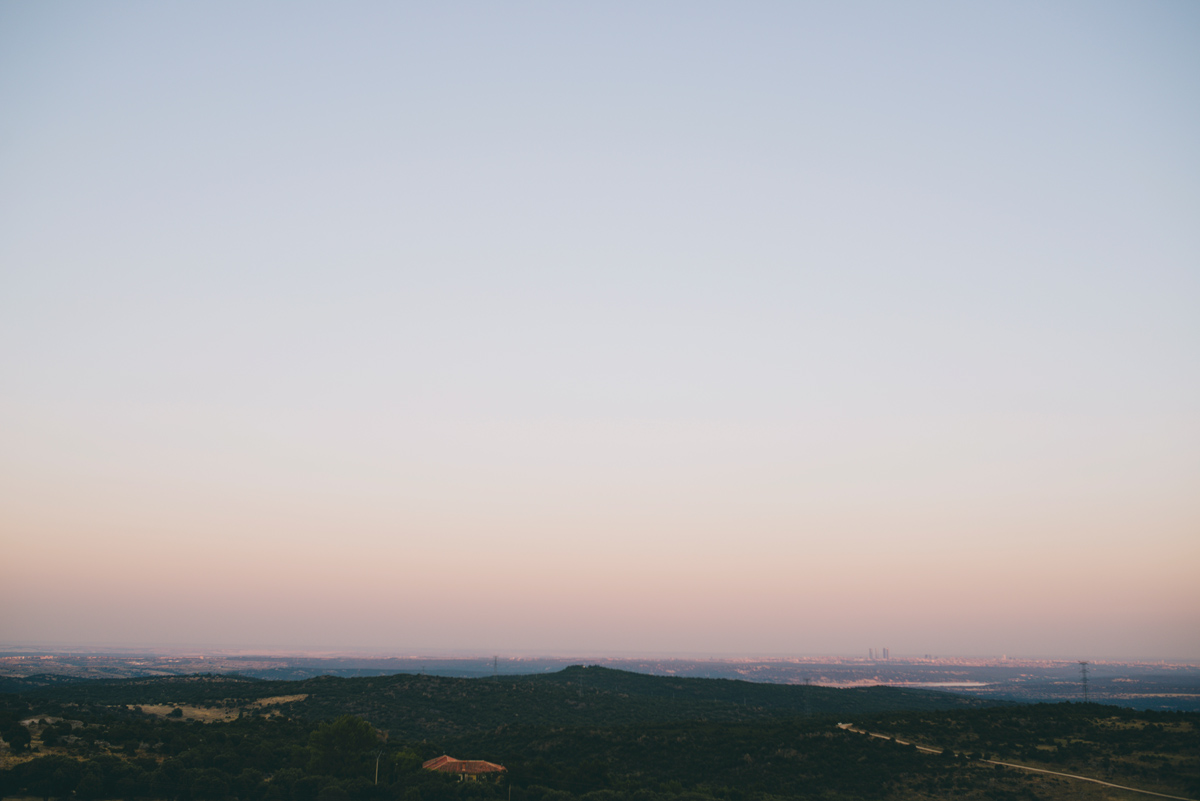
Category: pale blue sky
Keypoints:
(685, 301)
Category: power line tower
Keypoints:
(1083, 677)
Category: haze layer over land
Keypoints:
(776, 329)
(1161, 686)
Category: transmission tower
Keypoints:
(1083, 673)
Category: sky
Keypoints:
(663, 328)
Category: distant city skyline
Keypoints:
(774, 328)
(43, 650)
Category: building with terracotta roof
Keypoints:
(465, 769)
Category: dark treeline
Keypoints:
(132, 755)
(416, 706)
(582, 733)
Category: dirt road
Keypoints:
(851, 727)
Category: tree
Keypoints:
(91, 785)
(341, 747)
(17, 736)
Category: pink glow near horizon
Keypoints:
(942, 584)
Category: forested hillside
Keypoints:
(583, 732)
(416, 706)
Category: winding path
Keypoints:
(851, 727)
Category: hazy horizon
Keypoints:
(466, 654)
(680, 328)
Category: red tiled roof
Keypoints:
(448, 764)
